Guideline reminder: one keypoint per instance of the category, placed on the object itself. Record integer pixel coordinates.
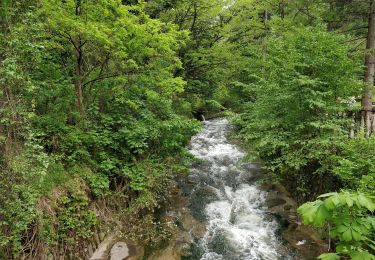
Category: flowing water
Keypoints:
(225, 196)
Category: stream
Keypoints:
(220, 211)
(224, 195)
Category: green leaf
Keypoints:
(327, 195)
(349, 202)
(366, 202)
(342, 228)
(347, 235)
(322, 214)
(363, 255)
(336, 200)
(329, 256)
(356, 235)
(329, 204)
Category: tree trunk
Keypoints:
(282, 8)
(369, 75)
(352, 127)
(192, 27)
(265, 17)
(78, 81)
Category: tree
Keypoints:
(297, 129)
(207, 58)
(367, 120)
(88, 109)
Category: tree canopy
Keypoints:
(99, 99)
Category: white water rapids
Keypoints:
(225, 197)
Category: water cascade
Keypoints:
(225, 196)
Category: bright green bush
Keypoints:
(297, 119)
(63, 161)
(347, 218)
(355, 164)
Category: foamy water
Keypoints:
(229, 201)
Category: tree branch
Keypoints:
(101, 78)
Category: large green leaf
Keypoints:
(329, 256)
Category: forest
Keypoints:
(99, 100)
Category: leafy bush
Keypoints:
(355, 164)
(297, 120)
(348, 218)
(126, 120)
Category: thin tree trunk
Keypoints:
(265, 17)
(282, 8)
(192, 27)
(78, 81)
(369, 75)
(352, 127)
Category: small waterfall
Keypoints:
(226, 198)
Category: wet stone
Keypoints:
(288, 207)
(199, 199)
(275, 202)
(221, 245)
(119, 251)
(231, 176)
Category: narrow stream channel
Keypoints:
(225, 196)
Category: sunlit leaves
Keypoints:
(329, 256)
(129, 139)
(314, 212)
(295, 119)
(355, 166)
(349, 215)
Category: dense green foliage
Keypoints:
(97, 100)
(346, 217)
(298, 121)
(301, 87)
(88, 98)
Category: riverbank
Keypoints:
(221, 201)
